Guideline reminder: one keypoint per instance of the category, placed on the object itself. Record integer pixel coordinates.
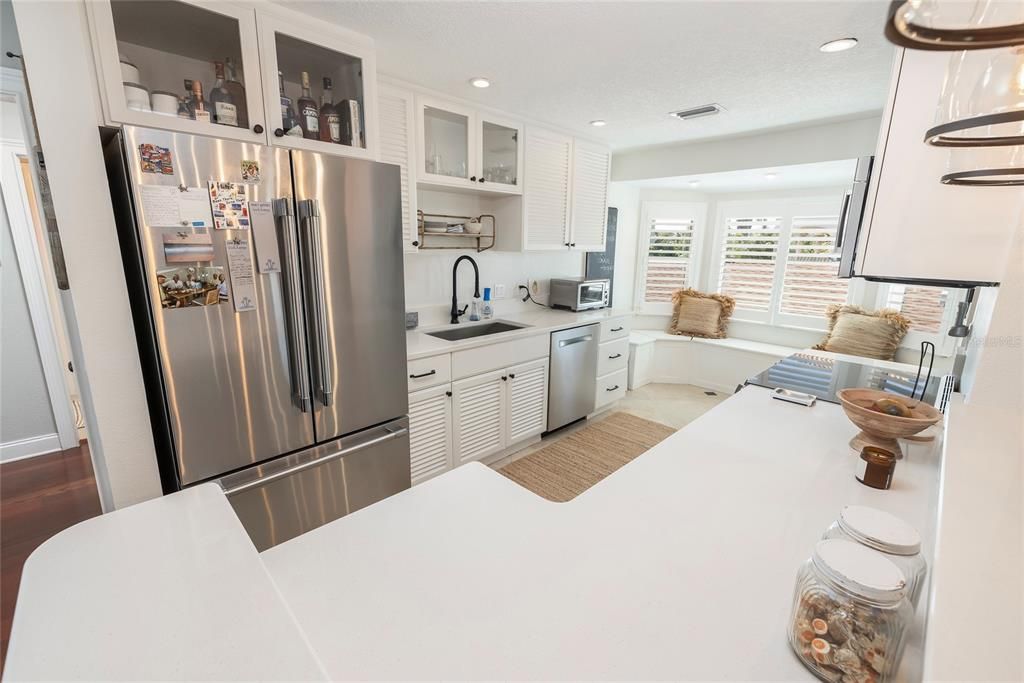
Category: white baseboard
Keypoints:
(30, 447)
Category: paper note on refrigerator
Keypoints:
(194, 208)
(243, 283)
(160, 206)
(268, 258)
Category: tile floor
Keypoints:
(675, 405)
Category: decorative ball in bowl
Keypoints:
(884, 417)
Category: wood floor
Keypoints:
(38, 497)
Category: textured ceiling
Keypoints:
(630, 63)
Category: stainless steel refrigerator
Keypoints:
(297, 407)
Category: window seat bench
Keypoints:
(719, 364)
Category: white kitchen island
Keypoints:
(679, 565)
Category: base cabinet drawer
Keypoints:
(614, 328)
(429, 372)
(610, 388)
(614, 355)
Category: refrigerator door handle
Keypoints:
(844, 214)
(309, 213)
(293, 305)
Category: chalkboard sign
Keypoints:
(601, 264)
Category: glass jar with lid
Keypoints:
(887, 534)
(850, 614)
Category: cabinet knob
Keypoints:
(472, 178)
(257, 129)
(504, 378)
(572, 244)
(566, 244)
(448, 394)
(279, 132)
(511, 376)
(481, 180)
(415, 243)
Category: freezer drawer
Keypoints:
(289, 496)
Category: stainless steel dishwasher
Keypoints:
(573, 378)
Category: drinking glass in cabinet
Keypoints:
(500, 153)
(173, 49)
(326, 87)
(446, 143)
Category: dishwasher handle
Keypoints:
(575, 340)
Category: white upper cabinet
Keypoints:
(319, 85)
(151, 55)
(915, 226)
(591, 165)
(155, 58)
(546, 192)
(396, 110)
(462, 148)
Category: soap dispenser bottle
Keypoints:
(488, 309)
(474, 309)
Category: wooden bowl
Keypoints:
(882, 429)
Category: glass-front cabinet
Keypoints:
(319, 86)
(261, 74)
(180, 65)
(463, 148)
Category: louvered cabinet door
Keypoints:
(548, 165)
(527, 400)
(430, 433)
(478, 416)
(591, 165)
(397, 122)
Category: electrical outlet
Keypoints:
(499, 291)
(534, 285)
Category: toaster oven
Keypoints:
(579, 294)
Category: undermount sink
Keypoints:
(469, 331)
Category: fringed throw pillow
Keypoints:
(871, 334)
(696, 314)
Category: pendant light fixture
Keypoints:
(955, 24)
(985, 167)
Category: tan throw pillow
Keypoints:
(700, 315)
(855, 331)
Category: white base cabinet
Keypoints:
(475, 417)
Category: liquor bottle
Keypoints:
(287, 111)
(330, 122)
(184, 112)
(200, 107)
(309, 113)
(222, 103)
(237, 91)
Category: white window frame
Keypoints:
(653, 210)
(786, 208)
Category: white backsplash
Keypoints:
(428, 279)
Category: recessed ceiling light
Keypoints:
(479, 82)
(771, 175)
(838, 45)
(597, 123)
(694, 183)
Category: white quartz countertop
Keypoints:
(171, 589)
(678, 566)
(419, 344)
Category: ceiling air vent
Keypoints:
(697, 112)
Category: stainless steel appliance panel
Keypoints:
(573, 380)
(851, 218)
(350, 227)
(579, 294)
(230, 380)
(292, 495)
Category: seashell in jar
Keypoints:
(821, 651)
(840, 625)
(875, 658)
(847, 661)
(819, 626)
(803, 631)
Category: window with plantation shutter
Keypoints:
(748, 261)
(810, 283)
(924, 306)
(669, 252)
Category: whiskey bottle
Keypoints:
(287, 111)
(237, 92)
(200, 107)
(309, 113)
(222, 103)
(330, 122)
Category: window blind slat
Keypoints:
(747, 271)
(924, 306)
(668, 258)
(810, 283)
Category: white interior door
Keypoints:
(548, 163)
(527, 400)
(478, 415)
(430, 432)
